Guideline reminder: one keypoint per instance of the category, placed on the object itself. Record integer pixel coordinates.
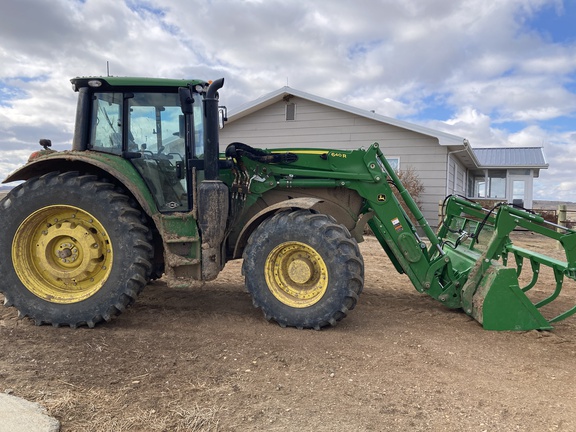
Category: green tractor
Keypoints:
(145, 193)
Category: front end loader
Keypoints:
(144, 193)
(466, 265)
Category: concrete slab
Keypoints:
(20, 415)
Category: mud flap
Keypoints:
(498, 302)
(213, 210)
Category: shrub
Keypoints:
(413, 185)
(415, 188)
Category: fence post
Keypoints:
(562, 215)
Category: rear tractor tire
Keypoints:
(73, 250)
(303, 269)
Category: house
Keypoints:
(445, 163)
(506, 174)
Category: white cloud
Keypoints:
(469, 67)
(475, 126)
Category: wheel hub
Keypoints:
(296, 274)
(300, 270)
(69, 251)
(62, 254)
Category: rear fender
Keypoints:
(112, 167)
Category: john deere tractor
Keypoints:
(144, 193)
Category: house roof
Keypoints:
(444, 139)
(511, 157)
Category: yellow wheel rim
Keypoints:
(62, 254)
(296, 274)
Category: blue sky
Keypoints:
(497, 72)
(556, 22)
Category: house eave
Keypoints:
(513, 166)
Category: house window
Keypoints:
(290, 111)
(497, 183)
(394, 163)
(477, 185)
(487, 184)
(518, 192)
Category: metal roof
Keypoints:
(511, 157)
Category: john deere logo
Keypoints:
(381, 197)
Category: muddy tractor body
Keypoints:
(145, 193)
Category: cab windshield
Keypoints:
(156, 124)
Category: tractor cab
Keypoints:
(144, 120)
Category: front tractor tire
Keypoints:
(303, 269)
(73, 250)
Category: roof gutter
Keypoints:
(467, 149)
(471, 153)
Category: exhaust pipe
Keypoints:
(211, 145)
(213, 194)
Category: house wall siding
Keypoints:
(320, 126)
(460, 180)
(456, 177)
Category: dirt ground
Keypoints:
(204, 359)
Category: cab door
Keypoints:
(156, 131)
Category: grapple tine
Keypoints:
(535, 273)
(564, 315)
(559, 276)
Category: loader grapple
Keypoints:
(494, 294)
(471, 262)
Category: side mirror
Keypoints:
(186, 100)
(222, 116)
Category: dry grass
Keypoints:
(197, 419)
(82, 410)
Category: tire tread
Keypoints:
(337, 237)
(138, 234)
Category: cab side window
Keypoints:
(106, 134)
